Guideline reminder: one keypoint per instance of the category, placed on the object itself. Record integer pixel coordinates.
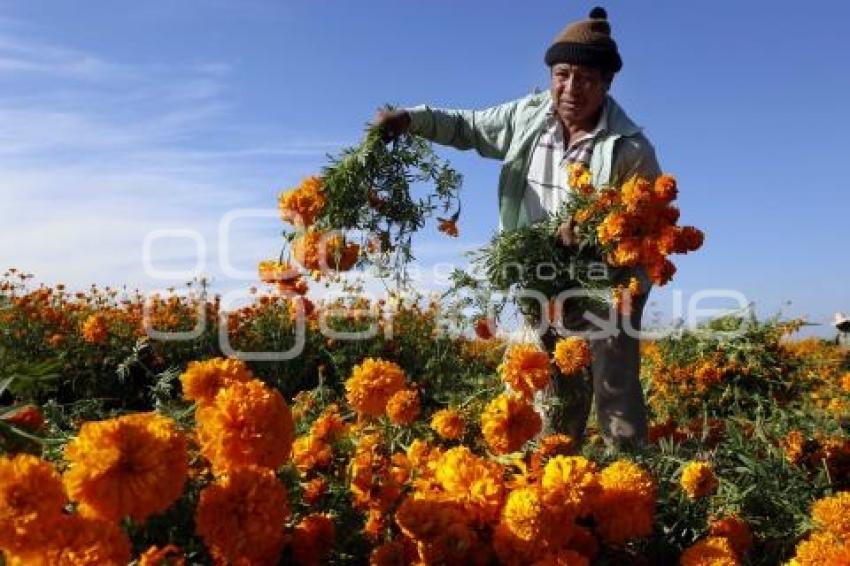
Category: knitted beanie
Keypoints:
(587, 42)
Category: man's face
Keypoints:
(578, 93)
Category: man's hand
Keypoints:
(392, 123)
(566, 233)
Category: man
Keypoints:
(536, 137)
(842, 324)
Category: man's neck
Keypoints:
(576, 130)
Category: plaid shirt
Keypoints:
(547, 173)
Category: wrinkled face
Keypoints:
(578, 93)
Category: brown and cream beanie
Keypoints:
(587, 42)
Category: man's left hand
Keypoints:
(566, 233)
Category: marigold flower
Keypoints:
(572, 354)
(391, 553)
(448, 423)
(637, 193)
(314, 490)
(625, 509)
(698, 480)
(820, 549)
(736, 530)
(508, 422)
(323, 251)
(329, 425)
(845, 382)
(448, 226)
(135, 465)
(309, 453)
(302, 205)
(169, 555)
(579, 178)
(283, 276)
(665, 188)
(832, 514)
(550, 446)
(95, 329)
(371, 385)
(203, 380)
(524, 515)
(570, 483)
(403, 406)
(312, 539)
(525, 369)
(563, 557)
(241, 516)
(710, 551)
(31, 502)
(79, 541)
(249, 424)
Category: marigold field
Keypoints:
(414, 446)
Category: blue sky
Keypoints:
(118, 118)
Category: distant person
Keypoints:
(536, 138)
(842, 324)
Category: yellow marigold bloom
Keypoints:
(31, 502)
(301, 206)
(403, 406)
(525, 369)
(845, 382)
(579, 178)
(794, 445)
(371, 385)
(283, 276)
(203, 380)
(710, 551)
(832, 514)
(550, 446)
(821, 549)
(615, 226)
(95, 329)
(698, 480)
(167, 556)
(570, 483)
(736, 530)
(249, 424)
(134, 465)
(636, 193)
(572, 354)
(524, 515)
(241, 516)
(448, 423)
(508, 422)
(312, 539)
(626, 507)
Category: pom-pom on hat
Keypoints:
(587, 42)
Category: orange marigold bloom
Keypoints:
(309, 453)
(134, 465)
(626, 507)
(329, 425)
(371, 385)
(167, 556)
(570, 483)
(249, 424)
(845, 382)
(391, 553)
(324, 251)
(283, 276)
(95, 329)
(832, 514)
(525, 369)
(301, 206)
(820, 549)
(448, 226)
(312, 539)
(626, 253)
(314, 490)
(710, 551)
(78, 541)
(472, 481)
(579, 178)
(203, 380)
(524, 515)
(241, 516)
(698, 480)
(665, 189)
(508, 422)
(551, 445)
(448, 423)
(31, 502)
(736, 530)
(661, 272)
(403, 406)
(572, 354)
(563, 557)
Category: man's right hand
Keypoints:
(392, 123)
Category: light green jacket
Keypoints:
(509, 132)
